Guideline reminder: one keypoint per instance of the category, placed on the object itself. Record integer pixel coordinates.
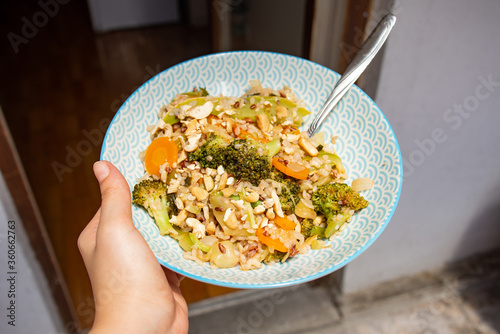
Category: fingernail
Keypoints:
(101, 170)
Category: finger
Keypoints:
(115, 195)
(87, 239)
(173, 278)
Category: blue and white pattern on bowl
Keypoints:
(366, 144)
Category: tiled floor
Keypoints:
(462, 298)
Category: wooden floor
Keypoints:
(60, 85)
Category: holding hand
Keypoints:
(133, 293)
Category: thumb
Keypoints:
(115, 195)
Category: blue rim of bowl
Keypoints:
(298, 280)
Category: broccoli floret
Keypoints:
(212, 153)
(245, 162)
(289, 196)
(306, 227)
(245, 159)
(152, 196)
(277, 256)
(290, 190)
(330, 200)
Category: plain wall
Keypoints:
(124, 14)
(436, 61)
(35, 309)
(276, 25)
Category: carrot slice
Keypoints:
(160, 150)
(284, 223)
(293, 169)
(270, 242)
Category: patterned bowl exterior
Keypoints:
(366, 144)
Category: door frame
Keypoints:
(27, 209)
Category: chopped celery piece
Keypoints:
(170, 119)
(249, 212)
(193, 209)
(274, 147)
(183, 238)
(245, 111)
(334, 160)
(334, 226)
(185, 242)
(204, 248)
(256, 204)
(319, 231)
(234, 197)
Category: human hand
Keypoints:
(132, 291)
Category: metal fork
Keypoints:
(359, 63)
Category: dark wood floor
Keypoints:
(63, 82)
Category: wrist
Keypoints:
(123, 316)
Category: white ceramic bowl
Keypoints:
(366, 144)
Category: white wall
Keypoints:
(35, 309)
(450, 204)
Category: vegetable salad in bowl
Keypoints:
(236, 182)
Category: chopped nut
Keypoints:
(237, 130)
(200, 193)
(209, 182)
(281, 111)
(202, 111)
(223, 181)
(263, 122)
(191, 127)
(197, 226)
(308, 147)
(270, 214)
(251, 196)
(292, 137)
(182, 157)
(181, 216)
(318, 220)
(259, 209)
(192, 143)
(210, 228)
(226, 192)
(206, 213)
(229, 125)
(230, 219)
(277, 204)
(179, 204)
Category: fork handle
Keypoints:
(357, 66)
